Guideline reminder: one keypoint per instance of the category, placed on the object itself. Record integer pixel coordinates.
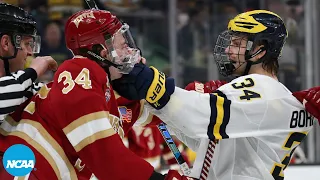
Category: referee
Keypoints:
(18, 40)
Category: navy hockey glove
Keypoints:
(145, 83)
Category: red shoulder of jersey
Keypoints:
(84, 72)
(80, 87)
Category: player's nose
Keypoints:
(227, 50)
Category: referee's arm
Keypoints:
(14, 90)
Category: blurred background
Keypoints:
(177, 37)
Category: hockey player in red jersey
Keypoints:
(73, 124)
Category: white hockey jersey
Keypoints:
(255, 118)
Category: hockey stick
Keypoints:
(92, 4)
(174, 149)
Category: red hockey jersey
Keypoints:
(144, 138)
(71, 127)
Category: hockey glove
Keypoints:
(212, 86)
(145, 83)
(311, 100)
(209, 87)
(174, 175)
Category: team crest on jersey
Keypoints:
(126, 114)
(116, 124)
(78, 19)
(107, 95)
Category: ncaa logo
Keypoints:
(18, 160)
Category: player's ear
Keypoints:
(5, 42)
(103, 53)
(260, 54)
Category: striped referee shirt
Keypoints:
(16, 89)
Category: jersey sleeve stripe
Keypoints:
(92, 138)
(220, 115)
(84, 119)
(44, 143)
(40, 149)
(7, 126)
(213, 116)
(89, 132)
(10, 120)
(226, 118)
(44, 133)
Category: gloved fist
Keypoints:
(174, 175)
(212, 86)
(311, 100)
(208, 87)
(145, 83)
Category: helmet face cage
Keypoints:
(18, 23)
(34, 45)
(261, 28)
(122, 49)
(222, 51)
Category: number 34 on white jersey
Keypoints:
(255, 118)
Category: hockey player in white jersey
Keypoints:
(253, 122)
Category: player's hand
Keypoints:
(116, 74)
(147, 83)
(43, 63)
(311, 100)
(143, 60)
(212, 86)
(174, 175)
(208, 87)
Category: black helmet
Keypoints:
(258, 26)
(16, 23)
(16, 20)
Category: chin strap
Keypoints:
(6, 61)
(7, 58)
(248, 66)
(250, 63)
(94, 56)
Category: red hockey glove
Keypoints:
(174, 175)
(208, 87)
(311, 100)
(212, 86)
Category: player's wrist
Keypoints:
(160, 90)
